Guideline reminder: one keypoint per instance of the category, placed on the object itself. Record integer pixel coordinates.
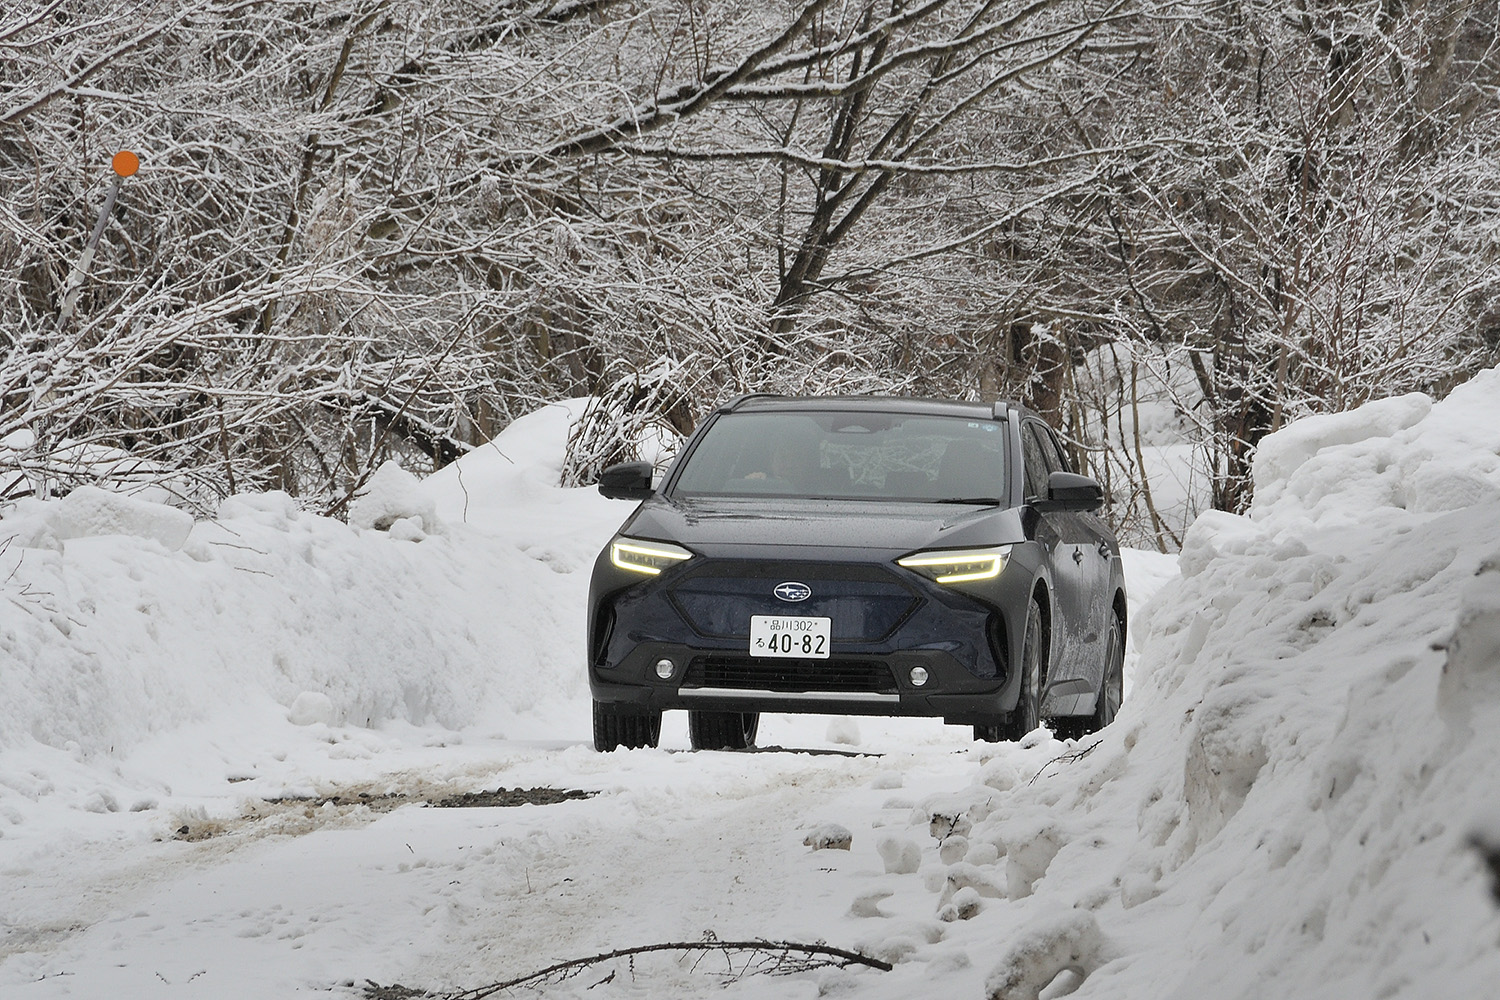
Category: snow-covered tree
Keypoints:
(366, 228)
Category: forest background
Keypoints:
(374, 229)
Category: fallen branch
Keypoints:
(1066, 758)
(785, 953)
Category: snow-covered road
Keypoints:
(264, 900)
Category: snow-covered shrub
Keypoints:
(1050, 944)
(631, 420)
(392, 495)
(900, 855)
(89, 511)
(829, 837)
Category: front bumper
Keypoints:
(868, 685)
(885, 623)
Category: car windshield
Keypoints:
(847, 454)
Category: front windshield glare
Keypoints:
(847, 455)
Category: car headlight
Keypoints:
(645, 557)
(957, 566)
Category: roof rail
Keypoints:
(1003, 409)
(735, 403)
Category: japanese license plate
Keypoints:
(789, 635)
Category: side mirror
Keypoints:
(626, 481)
(1068, 491)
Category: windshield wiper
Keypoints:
(972, 501)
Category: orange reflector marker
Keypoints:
(126, 163)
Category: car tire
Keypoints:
(722, 730)
(1028, 711)
(989, 732)
(624, 726)
(1112, 691)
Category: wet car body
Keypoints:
(677, 629)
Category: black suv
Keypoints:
(857, 555)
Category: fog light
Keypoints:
(918, 676)
(664, 668)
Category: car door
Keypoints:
(1049, 535)
(1065, 540)
(1084, 538)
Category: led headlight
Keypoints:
(957, 566)
(645, 557)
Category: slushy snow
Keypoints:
(217, 739)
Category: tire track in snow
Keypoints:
(719, 852)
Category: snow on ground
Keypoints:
(217, 739)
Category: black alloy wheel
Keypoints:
(722, 730)
(625, 726)
(1028, 711)
(1112, 692)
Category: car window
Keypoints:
(1034, 456)
(1057, 452)
(847, 454)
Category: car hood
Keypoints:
(721, 527)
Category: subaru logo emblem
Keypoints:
(792, 591)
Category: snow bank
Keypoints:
(1405, 453)
(519, 469)
(1288, 802)
(508, 488)
(117, 637)
(123, 620)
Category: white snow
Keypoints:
(391, 497)
(89, 511)
(216, 740)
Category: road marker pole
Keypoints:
(125, 164)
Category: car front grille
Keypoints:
(751, 673)
(865, 603)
